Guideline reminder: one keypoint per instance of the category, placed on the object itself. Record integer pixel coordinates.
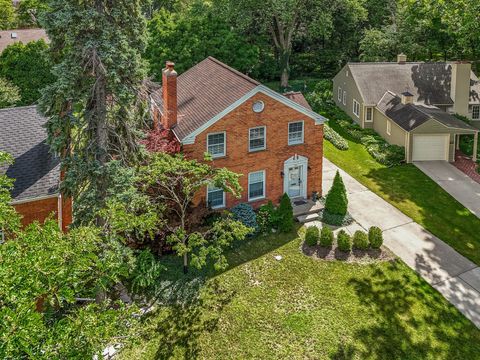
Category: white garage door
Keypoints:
(430, 147)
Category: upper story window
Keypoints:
(256, 138)
(216, 144)
(339, 94)
(295, 133)
(389, 127)
(344, 97)
(356, 108)
(215, 197)
(256, 185)
(368, 114)
(476, 112)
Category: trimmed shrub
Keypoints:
(245, 214)
(335, 219)
(375, 237)
(335, 138)
(285, 215)
(336, 201)
(312, 236)
(266, 217)
(360, 240)
(344, 241)
(326, 237)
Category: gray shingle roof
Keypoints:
(204, 91)
(428, 82)
(37, 172)
(23, 35)
(411, 116)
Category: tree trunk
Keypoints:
(284, 68)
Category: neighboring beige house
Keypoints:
(9, 37)
(411, 103)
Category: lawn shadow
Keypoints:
(180, 325)
(393, 297)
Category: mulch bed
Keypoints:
(355, 256)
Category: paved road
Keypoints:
(454, 276)
(455, 182)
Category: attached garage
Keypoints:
(430, 147)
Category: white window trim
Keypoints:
(344, 97)
(473, 111)
(366, 113)
(218, 206)
(248, 187)
(224, 144)
(356, 104)
(339, 94)
(264, 139)
(389, 127)
(303, 132)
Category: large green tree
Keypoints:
(93, 107)
(9, 219)
(27, 66)
(9, 93)
(30, 11)
(7, 15)
(194, 32)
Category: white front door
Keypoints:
(295, 181)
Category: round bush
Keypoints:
(326, 237)
(312, 235)
(335, 219)
(245, 214)
(344, 241)
(375, 237)
(360, 240)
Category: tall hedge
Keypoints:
(336, 201)
(285, 214)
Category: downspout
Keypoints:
(60, 212)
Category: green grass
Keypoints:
(413, 193)
(301, 308)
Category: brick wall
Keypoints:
(275, 117)
(39, 210)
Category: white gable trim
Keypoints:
(190, 139)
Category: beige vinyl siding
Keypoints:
(347, 83)
(397, 135)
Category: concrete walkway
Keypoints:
(456, 183)
(454, 276)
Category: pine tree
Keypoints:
(93, 107)
(336, 201)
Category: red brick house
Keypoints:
(275, 141)
(36, 171)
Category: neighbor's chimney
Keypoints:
(169, 84)
(401, 58)
(460, 86)
(407, 98)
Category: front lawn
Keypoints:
(414, 193)
(301, 308)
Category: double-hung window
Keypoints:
(215, 197)
(344, 97)
(476, 112)
(256, 185)
(356, 108)
(368, 114)
(295, 133)
(339, 94)
(257, 138)
(216, 144)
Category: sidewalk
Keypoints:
(454, 276)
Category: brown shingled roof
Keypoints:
(23, 35)
(298, 98)
(204, 91)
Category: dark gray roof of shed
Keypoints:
(36, 171)
(411, 116)
(428, 82)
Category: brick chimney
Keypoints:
(169, 89)
(460, 86)
(407, 98)
(401, 58)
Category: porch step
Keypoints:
(308, 208)
(308, 218)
